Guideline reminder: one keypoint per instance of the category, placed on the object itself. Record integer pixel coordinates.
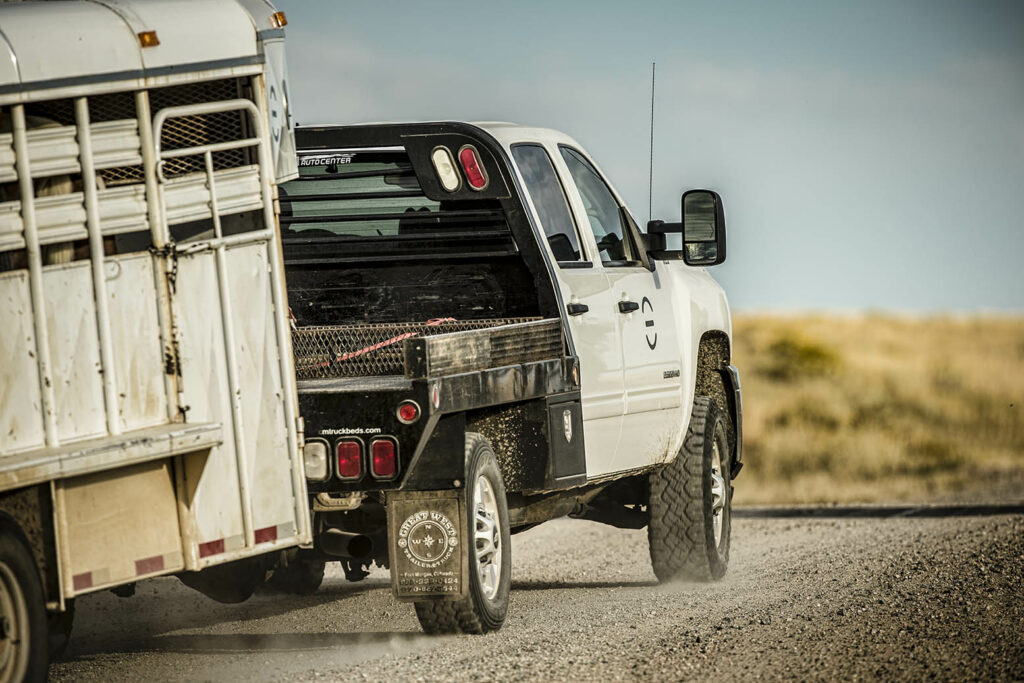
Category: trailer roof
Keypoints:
(60, 43)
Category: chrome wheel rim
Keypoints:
(717, 492)
(486, 537)
(14, 635)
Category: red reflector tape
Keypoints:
(266, 535)
(82, 581)
(148, 565)
(211, 548)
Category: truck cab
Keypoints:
(484, 339)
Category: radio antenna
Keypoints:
(650, 176)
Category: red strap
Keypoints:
(380, 345)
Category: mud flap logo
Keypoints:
(427, 544)
(567, 425)
(428, 539)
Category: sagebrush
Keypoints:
(880, 408)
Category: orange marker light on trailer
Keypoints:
(278, 20)
(148, 39)
(475, 174)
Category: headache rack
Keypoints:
(422, 350)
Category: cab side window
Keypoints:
(549, 198)
(603, 212)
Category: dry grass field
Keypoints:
(875, 407)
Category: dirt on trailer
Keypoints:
(805, 598)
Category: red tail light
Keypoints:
(383, 458)
(475, 173)
(408, 412)
(350, 458)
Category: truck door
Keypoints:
(588, 298)
(644, 317)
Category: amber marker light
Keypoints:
(148, 39)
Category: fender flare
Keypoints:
(731, 378)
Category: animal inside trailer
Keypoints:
(148, 420)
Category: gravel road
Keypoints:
(898, 598)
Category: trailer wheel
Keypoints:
(23, 634)
(690, 502)
(300, 576)
(490, 560)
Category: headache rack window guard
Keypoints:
(420, 350)
(460, 216)
(408, 173)
(383, 194)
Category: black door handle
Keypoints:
(628, 306)
(577, 309)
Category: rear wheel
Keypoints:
(690, 502)
(490, 559)
(23, 632)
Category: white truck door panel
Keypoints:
(651, 367)
(594, 333)
(598, 346)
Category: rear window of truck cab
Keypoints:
(375, 195)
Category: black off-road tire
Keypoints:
(301, 576)
(24, 643)
(681, 528)
(476, 613)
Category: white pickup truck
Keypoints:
(484, 340)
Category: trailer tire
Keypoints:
(685, 498)
(23, 635)
(490, 561)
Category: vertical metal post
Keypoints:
(96, 253)
(281, 325)
(158, 234)
(35, 271)
(63, 544)
(228, 322)
(161, 270)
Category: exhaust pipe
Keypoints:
(345, 545)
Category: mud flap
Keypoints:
(428, 544)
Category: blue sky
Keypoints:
(870, 154)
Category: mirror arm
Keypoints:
(662, 228)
